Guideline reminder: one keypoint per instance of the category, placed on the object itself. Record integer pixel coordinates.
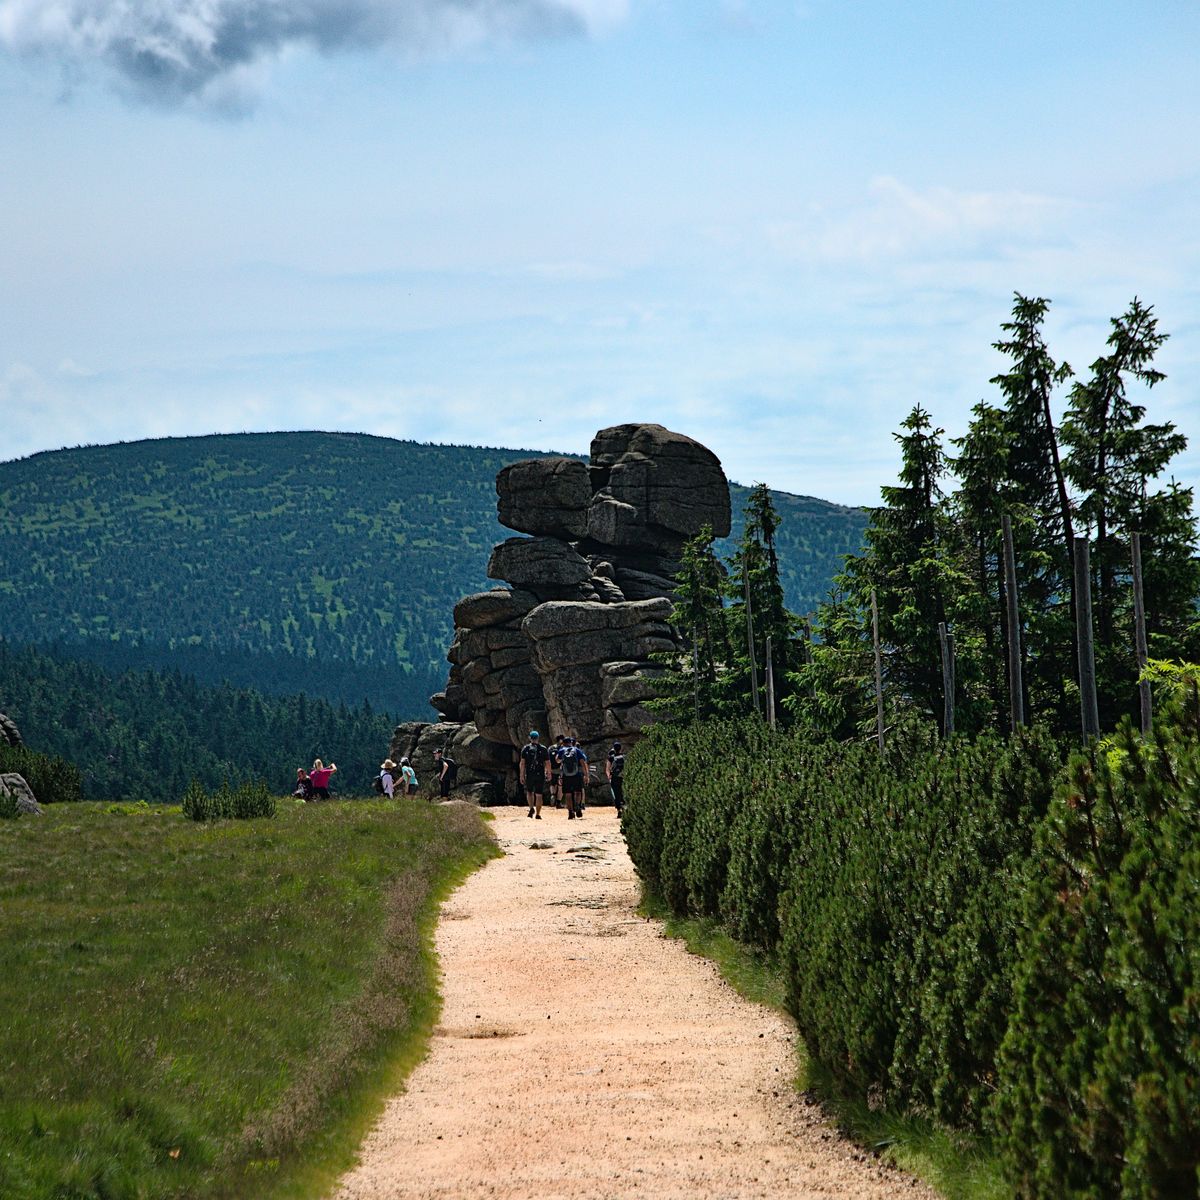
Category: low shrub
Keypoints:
(53, 780)
(244, 802)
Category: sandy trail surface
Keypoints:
(582, 1053)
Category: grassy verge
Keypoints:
(958, 1167)
(213, 1010)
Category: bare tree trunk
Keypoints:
(1088, 709)
(878, 671)
(1016, 696)
(1141, 645)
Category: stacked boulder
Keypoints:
(10, 735)
(565, 645)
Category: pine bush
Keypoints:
(53, 781)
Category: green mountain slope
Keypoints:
(328, 563)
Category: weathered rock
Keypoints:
(673, 484)
(496, 607)
(538, 562)
(642, 585)
(628, 688)
(607, 591)
(545, 496)
(10, 735)
(14, 787)
(566, 647)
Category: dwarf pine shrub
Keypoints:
(1099, 1085)
(246, 801)
(53, 780)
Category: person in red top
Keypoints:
(319, 778)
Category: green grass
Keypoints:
(213, 1010)
(959, 1167)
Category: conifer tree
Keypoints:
(1112, 459)
(1038, 501)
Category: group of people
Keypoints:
(562, 770)
(314, 784)
(404, 776)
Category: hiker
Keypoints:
(556, 771)
(319, 777)
(535, 772)
(409, 777)
(304, 787)
(615, 771)
(447, 772)
(387, 781)
(574, 774)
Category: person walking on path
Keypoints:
(535, 773)
(556, 770)
(447, 773)
(409, 776)
(320, 776)
(574, 773)
(614, 769)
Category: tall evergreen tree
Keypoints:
(1112, 458)
(1040, 505)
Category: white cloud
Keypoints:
(208, 50)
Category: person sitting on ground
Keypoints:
(534, 772)
(447, 772)
(319, 777)
(304, 788)
(574, 776)
(387, 781)
(409, 777)
(614, 770)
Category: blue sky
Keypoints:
(774, 226)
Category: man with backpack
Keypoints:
(535, 773)
(574, 777)
(615, 771)
(447, 772)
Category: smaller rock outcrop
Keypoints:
(482, 764)
(10, 735)
(13, 788)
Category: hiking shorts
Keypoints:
(572, 784)
(535, 787)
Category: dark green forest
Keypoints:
(143, 734)
(291, 562)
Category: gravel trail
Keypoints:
(582, 1054)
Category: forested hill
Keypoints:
(293, 561)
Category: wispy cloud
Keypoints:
(894, 221)
(172, 51)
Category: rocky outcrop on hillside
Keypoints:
(10, 735)
(564, 645)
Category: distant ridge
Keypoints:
(322, 562)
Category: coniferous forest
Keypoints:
(299, 562)
(144, 734)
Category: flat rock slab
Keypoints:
(582, 1054)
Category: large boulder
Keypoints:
(545, 496)
(16, 792)
(538, 562)
(653, 486)
(497, 607)
(10, 735)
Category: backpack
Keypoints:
(570, 761)
(377, 784)
(618, 765)
(535, 758)
(452, 773)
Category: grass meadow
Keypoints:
(217, 1009)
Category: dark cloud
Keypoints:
(175, 50)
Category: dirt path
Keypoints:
(583, 1054)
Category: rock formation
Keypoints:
(14, 790)
(9, 734)
(565, 645)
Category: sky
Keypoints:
(773, 226)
